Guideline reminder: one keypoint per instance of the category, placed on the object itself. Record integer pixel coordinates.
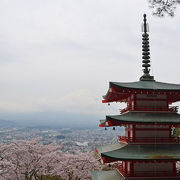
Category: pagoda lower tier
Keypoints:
(146, 128)
(150, 147)
(143, 161)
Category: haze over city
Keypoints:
(57, 57)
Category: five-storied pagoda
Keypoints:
(150, 148)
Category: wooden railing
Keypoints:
(150, 108)
(157, 108)
(160, 140)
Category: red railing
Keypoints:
(175, 140)
(128, 108)
(173, 108)
(122, 170)
(157, 108)
(150, 108)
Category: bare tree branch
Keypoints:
(163, 7)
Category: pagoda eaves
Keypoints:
(119, 91)
(142, 118)
(141, 152)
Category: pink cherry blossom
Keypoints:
(28, 160)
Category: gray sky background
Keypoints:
(59, 55)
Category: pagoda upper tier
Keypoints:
(120, 91)
(147, 87)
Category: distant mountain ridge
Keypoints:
(7, 123)
(49, 119)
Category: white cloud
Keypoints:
(60, 55)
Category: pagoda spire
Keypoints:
(145, 52)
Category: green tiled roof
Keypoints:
(149, 85)
(106, 175)
(144, 152)
(111, 147)
(141, 117)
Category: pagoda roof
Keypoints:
(144, 117)
(106, 175)
(110, 147)
(141, 152)
(120, 91)
(147, 85)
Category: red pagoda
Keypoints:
(150, 148)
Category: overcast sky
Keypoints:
(59, 55)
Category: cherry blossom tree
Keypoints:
(162, 7)
(30, 160)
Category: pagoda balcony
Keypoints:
(147, 174)
(150, 140)
(150, 108)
